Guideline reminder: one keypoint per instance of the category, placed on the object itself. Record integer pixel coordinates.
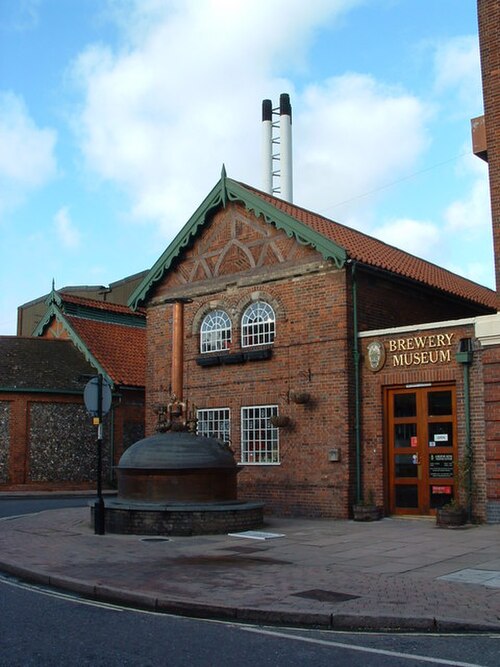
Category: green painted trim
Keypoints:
(54, 311)
(181, 241)
(51, 312)
(302, 233)
(228, 190)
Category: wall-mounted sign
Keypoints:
(421, 350)
(441, 465)
(375, 355)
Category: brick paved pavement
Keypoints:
(395, 573)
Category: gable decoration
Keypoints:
(228, 190)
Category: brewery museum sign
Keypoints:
(417, 350)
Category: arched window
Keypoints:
(258, 324)
(215, 332)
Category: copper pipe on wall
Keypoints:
(178, 350)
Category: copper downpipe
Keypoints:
(178, 350)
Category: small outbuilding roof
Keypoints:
(42, 364)
(119, 349)
(111, 337)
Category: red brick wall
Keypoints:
(489, 22)
(233, 260)
(384, 303)
(128, 421)
(491, 373)
(309, 354)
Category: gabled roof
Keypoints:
(97, 310)
(120, 351)
(111, 337)
(370, 251)
(332, 240)
(42, 364)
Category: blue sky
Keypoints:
(116, 117)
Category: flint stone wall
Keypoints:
(4, 440)
(62, 443)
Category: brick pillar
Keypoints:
(489, 40)
(19, 439)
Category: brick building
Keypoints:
(278, 304)
(489, 22)
(47, 440)
(338, 367)
(489, 328)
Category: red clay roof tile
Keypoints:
(120, 349)
(371, 251)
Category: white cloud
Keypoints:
(353, 136)
(479, 272)
(27, 159)
(470, 216)
(183, 96)
(418, 237)
(458, 70)
(67, 233)
(460, 238)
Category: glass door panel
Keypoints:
(405, 435)
(405, 405)
(439, 403)
(441, 434)
(406, 465)
(406, 496)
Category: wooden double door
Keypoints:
(422, 448)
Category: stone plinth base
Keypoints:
(129, 518)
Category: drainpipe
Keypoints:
(357, 397)
(178, 349)
(464, 357)
(177, 408)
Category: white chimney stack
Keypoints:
(284, 141)
(286, 148)
(267, 146)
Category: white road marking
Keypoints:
(363, 649)
(69, 597)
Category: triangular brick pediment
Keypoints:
(56, 329)
(234, 242)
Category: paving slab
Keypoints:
(390, 574)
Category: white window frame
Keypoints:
(215, 331)
(215, 423)
(258, 325)
(259, 438)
